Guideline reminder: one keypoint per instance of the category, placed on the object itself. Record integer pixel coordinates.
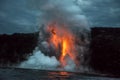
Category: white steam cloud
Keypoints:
(39, 61)
(65, 11)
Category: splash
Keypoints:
(40, 61)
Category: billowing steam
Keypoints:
(39, 61)
(63, 12)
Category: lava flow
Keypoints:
(64, 40)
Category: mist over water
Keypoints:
(39, 61)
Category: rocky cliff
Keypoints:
(15, 47)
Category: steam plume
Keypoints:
(63, 12)
(39, 61)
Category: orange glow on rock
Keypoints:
(62, 38)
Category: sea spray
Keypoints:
(39, 61)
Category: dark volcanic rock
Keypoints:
(14, 48)
(105, 47)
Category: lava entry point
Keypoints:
(105, 50)
(7, 73)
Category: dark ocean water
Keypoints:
(34, 74)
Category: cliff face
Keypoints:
(104, 56)
(105, 47)
(14, 48)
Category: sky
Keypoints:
(24, 16)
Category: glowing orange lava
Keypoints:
(64, 38)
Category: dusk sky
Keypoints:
(24, 15)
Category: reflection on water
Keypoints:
(59, 75)
(62, 75)
(32, 74)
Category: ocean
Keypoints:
(35, 74)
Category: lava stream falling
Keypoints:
(64, 38)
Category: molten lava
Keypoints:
(64, 40)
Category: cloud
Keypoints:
(16, 13)
(27, 14)
(101, 12)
